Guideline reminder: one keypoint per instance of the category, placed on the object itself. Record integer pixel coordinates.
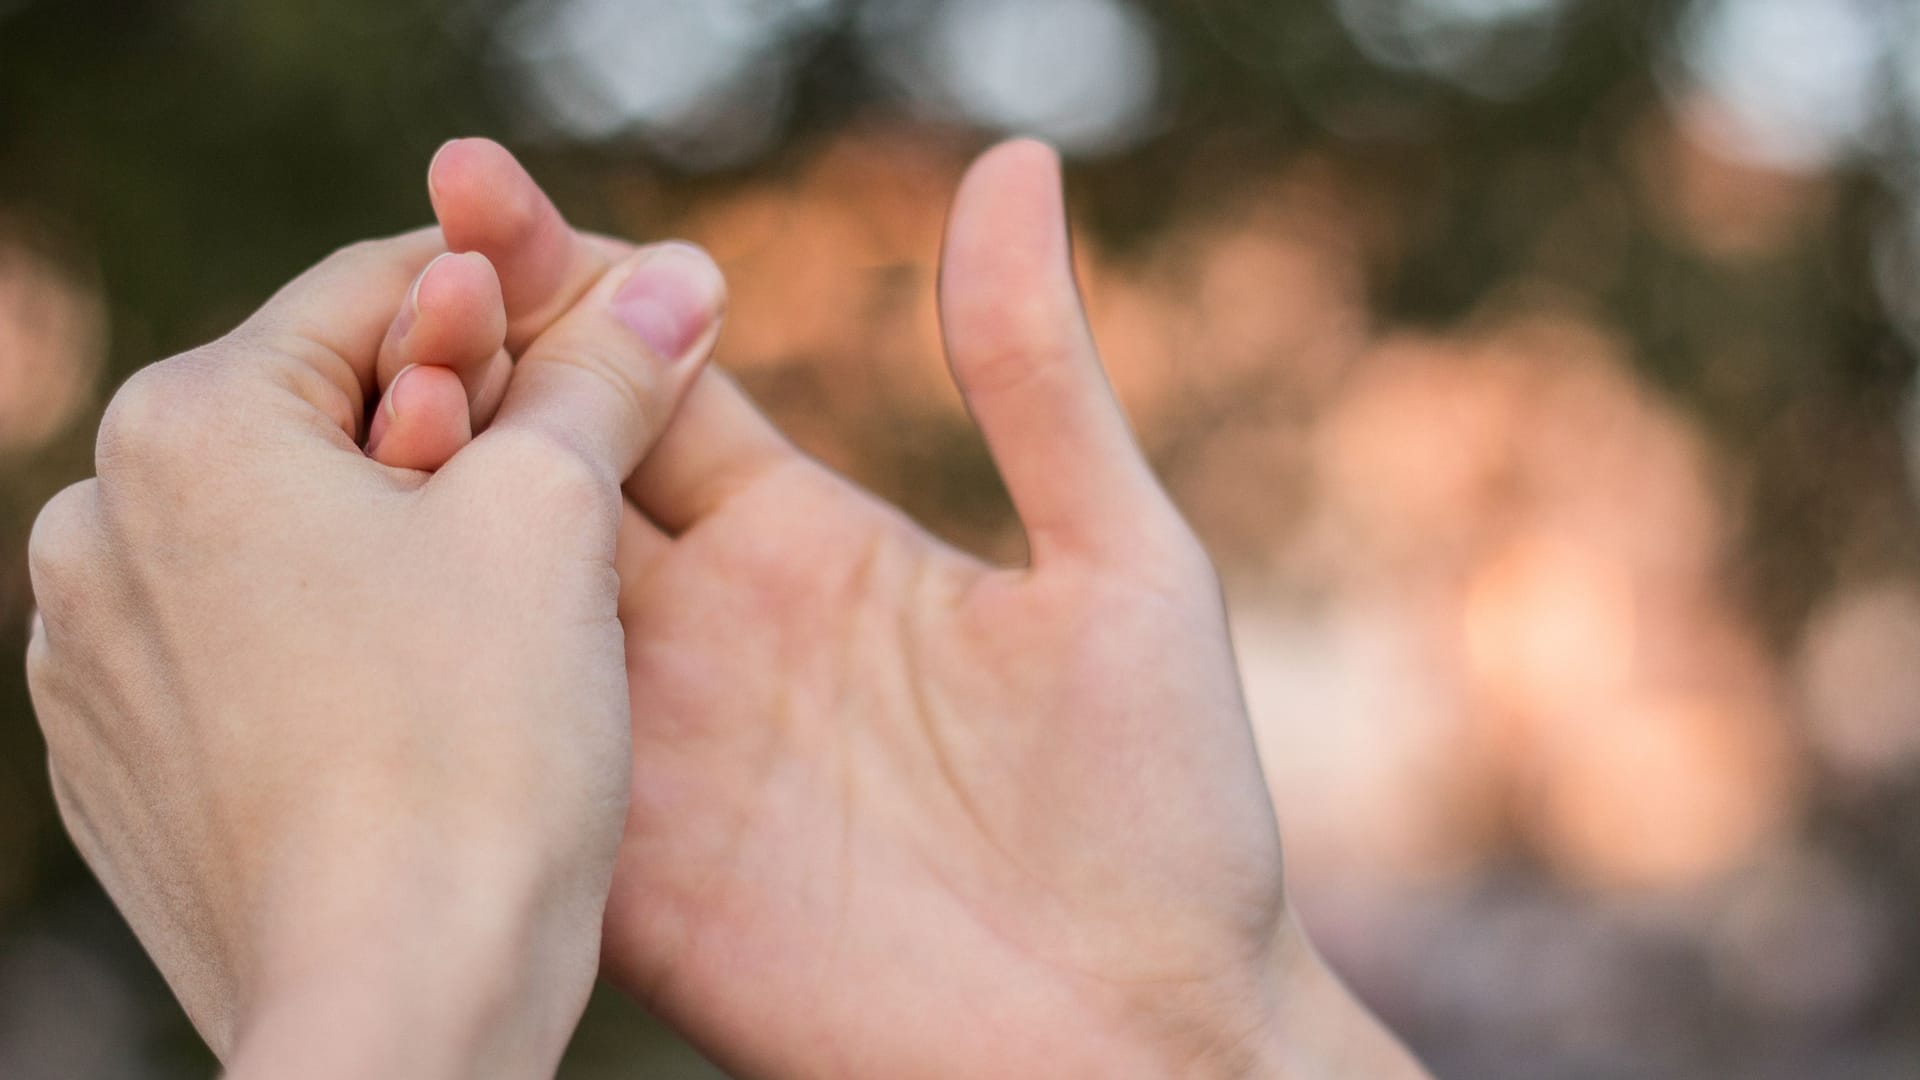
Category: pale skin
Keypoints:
(944, 804)
(347, 744)
(892, 811)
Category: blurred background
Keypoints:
(1540, 372)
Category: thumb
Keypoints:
(1025, 361)
(605, 378)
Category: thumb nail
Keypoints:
(671, 299)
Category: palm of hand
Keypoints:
(927, 798)
(893, 809)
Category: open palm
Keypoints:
(896, 812)
(889, 803)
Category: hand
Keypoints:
(898, 813)
(348, 744)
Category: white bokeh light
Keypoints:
(1492, 47)
(1084, 74)
(706, 82)
(1788, 84)
(1904, 48)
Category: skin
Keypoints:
(349, 744)
(444, 349)
(894, 809)
(888, 811)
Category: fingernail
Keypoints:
(392, 402)
(410, 311)
(378, 431)
(434, 163)
(389, 410)
(671, 299)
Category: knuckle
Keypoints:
(550, 470)
(1024, 345)
(1013, 367)
(403, 254)
(67, 803)
(57, 545)
(352, 258)
(175, 443)
(153, 410)
(129, 417)
(40, 673)
(51, 688)
(355, 253)
(635, 381)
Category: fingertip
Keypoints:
(488, 203)
(1027, 156)
(1007, 237)
(454, 316)
(422, 421)
(485, 199)
(1022, 177)
(461, 291)
(469, 166)
(1007, 285)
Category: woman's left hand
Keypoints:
(348, 744)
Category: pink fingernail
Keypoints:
(388, 412)
(671, 299)
(392, 404)
(433, 187)
(378, 431)
(410, 311)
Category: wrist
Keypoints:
(434, 1006)
(1290, 1016)
(1316, 1027)
(342, 1025)
(429, 974)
